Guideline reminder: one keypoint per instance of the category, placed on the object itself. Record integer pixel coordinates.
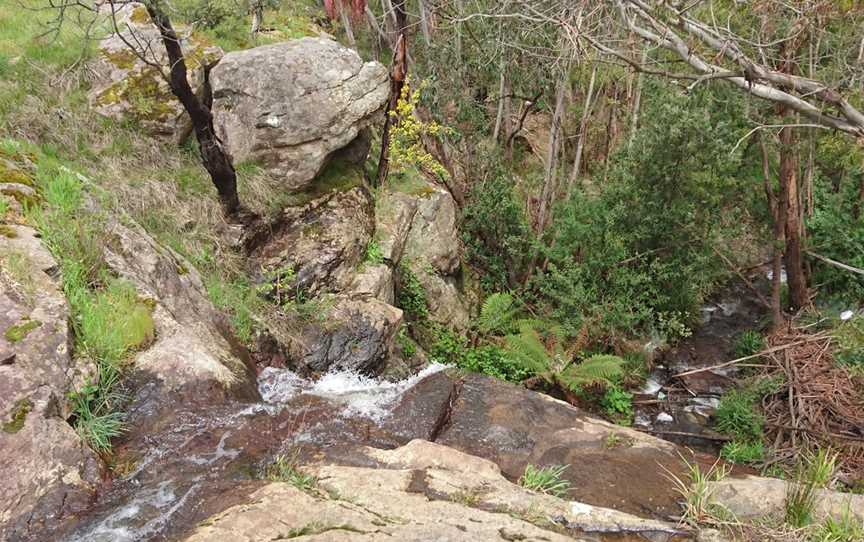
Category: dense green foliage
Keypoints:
(640, 254)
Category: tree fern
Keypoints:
(599, 369)
(497, 314)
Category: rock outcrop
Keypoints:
(320, 244)
(128, 88)
(421, 491)
(193, 358)
(754, 497)
(49, 473)
(416, 226)
(291, 106)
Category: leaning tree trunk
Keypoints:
(214, 157)
(398, 74)
(583, 128)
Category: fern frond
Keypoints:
(528, 351)
(497, 313)
(599, 369)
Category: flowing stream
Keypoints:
(202, 453)
(680, 409)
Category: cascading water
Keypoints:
(202, 451)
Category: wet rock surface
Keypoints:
(291, 105)
(49, 473)
(197, 462)
(421, 491)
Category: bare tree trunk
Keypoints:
(611, 131)
(778, 228)
(381, 37)
(502, 83)
(346, 24)
(550, 177)
(424, 22)
(257, 16)
(398, 74)
(789, 204)
(636, 103)
(459, 10)
(214, 157)
(583, 128)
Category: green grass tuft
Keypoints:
(286, 469)
(546, 480)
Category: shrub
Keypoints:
(618, 405)
(495, 231)
(410, 294)
(748, 343)
(737, 416)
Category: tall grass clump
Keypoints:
(109, 320)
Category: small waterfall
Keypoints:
(359, 395)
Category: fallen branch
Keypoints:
(835, 263)
(718, 438)
(756, 355)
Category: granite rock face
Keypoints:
(290, 106)
(49, 473)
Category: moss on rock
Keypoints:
(18, 332)
(19, 416)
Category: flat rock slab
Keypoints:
(754, 497)
(608, 465)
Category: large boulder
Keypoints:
(48, 471)
(128, 88)
(416, 226)
(291, 105)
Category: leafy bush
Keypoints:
(495, 231)
(207, 13)
(636, 254)
(618, 405)
(546, 480)
(410, 294)
(836, 226)
(849, 336)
